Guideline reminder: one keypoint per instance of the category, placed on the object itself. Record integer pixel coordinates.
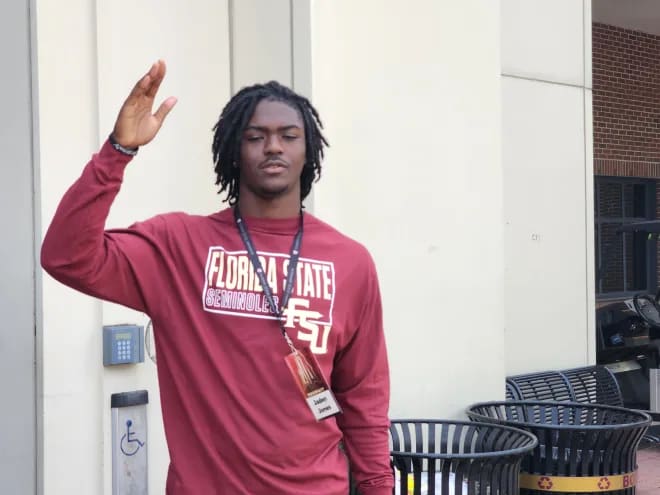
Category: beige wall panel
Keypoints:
(261, 42)
(71, 369)
(414, 173)
(301, 42)
(587, 45)
(175, 171)
(589, 225)
(89, 58)
(544, 39)
(546, 226)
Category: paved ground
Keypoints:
(648, 474)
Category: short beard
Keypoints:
(266, 193)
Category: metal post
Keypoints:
(129, 443)
(654, 383)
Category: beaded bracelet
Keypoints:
(122, 149)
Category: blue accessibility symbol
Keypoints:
(130, 445)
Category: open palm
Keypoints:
(136, 125)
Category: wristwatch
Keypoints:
(122, 149)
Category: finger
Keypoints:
(155, 69)
(157, 73)
(142, 86)
(165, 108)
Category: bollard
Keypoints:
(129, 443)
(654, 382)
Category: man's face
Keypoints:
(273, 151)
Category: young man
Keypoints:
(267, 321)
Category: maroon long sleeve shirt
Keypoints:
(234, 419)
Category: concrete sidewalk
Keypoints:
(648, 471)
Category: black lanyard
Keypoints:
(259, 270)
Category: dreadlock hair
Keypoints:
(228, 133)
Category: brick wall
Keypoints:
(626, 114)
(626, 102)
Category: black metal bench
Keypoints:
(589, 384)
(595, 385)
(546, 385)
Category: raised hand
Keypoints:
(136, 125)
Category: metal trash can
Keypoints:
(457, 457)
(583, 448)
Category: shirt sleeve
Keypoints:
(360, 380)
(80, 253)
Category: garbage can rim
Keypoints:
(477, 455)
(644, 419)
(462, 422)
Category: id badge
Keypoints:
(308, 376)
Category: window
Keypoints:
(625, 262)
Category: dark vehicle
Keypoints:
(628, 335)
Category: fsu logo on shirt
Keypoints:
(232, 287)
